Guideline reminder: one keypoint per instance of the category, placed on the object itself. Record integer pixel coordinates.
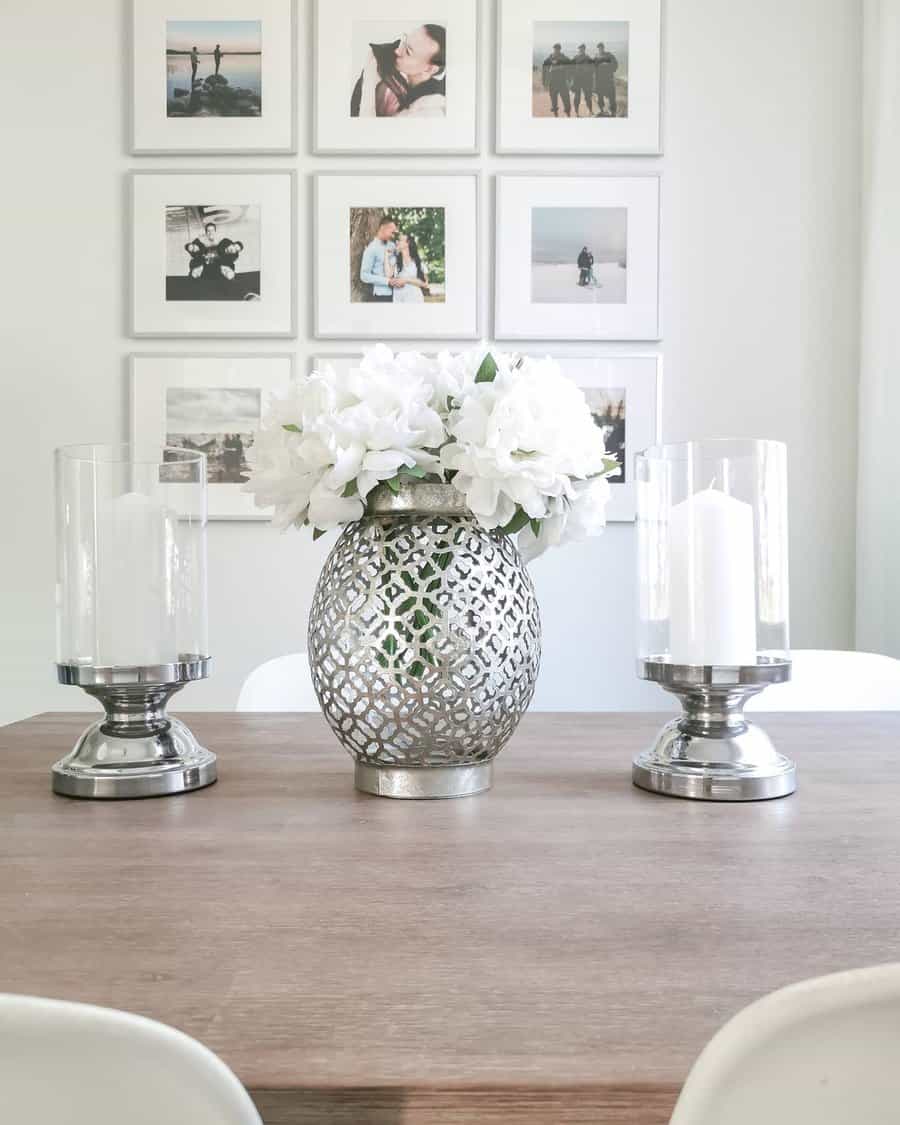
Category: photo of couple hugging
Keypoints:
(403, 76)
(397, 256)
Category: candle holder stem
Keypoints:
(712, 752)
(136, 749)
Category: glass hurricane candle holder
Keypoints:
(131, 615)
(712, 536)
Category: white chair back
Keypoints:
(822, 1052)
(74, 1064)
(823, 680)
(282, 684)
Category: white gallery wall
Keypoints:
(759, 298)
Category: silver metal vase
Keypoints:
(424, 644)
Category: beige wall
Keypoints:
(759, 292)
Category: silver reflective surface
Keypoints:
(424, 646)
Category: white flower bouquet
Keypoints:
(509, 432)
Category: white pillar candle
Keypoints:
(712, 588)
(136, 607)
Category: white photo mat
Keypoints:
(519, 131)
(518, 316)
(152, 131)
(639, 376)
(336, 316)
(335, 75)
(273, 193)
(153, 375)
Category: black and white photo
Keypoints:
(212, 253)
(210, 404)
(220, 422)
(220, 268)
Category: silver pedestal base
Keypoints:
(423, 783)
(712, 752)
(136, 749)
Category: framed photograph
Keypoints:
(580, 77)
(213, 76)
(400, 78)
(623, 392)
(213, 254)
(396, 256)
(577, 257)
(212, 404)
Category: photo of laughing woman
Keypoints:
(402, 74)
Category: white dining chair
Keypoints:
(822, 1052)
(282, 684)
(825, 680)
(75, 1064)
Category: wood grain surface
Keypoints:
(556, 950)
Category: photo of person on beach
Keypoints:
(579, 255)
(212, 253)
(580, 69)
(397, 256)
(398, 71)
(214, 68)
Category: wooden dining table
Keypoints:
(558, 949)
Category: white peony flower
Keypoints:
(515, 436)
(524, 441)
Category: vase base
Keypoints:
(424, 783)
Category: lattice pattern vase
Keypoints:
(424, 644)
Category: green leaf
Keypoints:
(389, 644)
(318, 533)
(519, 520)
(417, 669)
(291, 428)
(535, 527)
(443, 560)
(393, 484)
(416, 471)
(350, 489)
(406, 605)
(487, 372)
(420, 619)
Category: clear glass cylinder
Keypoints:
(131, 556)
(712, 542)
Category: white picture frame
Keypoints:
(257, 208)
(639, 379)
(537, 218)
(451, 308)
(169, 395)
(155, 75)
(411, 131)
(521, 28)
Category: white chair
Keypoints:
(823, 680)
(822, 1052)
(74, 1064)
(282, 684)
